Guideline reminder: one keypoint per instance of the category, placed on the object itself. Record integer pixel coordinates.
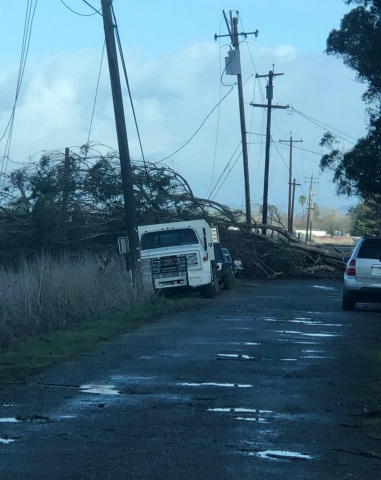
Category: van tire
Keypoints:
(209, 290)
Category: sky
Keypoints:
(179, 87)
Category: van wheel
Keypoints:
(209, 291)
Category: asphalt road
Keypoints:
(268, 381)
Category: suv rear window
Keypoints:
(370, 249)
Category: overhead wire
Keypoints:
(96, 91)
(95, 10)
(28, 24)
(77, 13)
(133, 112)
(224, 170)
(324, 126)
(198, 129)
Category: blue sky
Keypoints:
(175, 66)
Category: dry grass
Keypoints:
(50, 294)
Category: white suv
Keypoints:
(362, 277)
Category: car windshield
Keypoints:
(168, 238)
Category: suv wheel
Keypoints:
(349, 303)
(228, 281)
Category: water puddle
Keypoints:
(6, 440)
(322, 287)
(318, 335)
(258, 414)
(270, 319)
(317, 323)
(321, 335)
(316, 357)
(255, 415)
(288, 359)
(250, 343)
(100, 389)
(235, 356)
(281, 455)
(30, 418)
(215, 384)
(239, 410)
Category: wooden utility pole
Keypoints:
(233, 67)
(310, 207)
(289, 220)
(294, 185)
(269, 106)
(121, 130)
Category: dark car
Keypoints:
(362, 277)
(225, 266)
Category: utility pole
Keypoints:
(269, 106)
(294, 185)
(289, 220)
(310, 207)
(121, 130)
(233, 67)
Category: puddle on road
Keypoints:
(234, 356)
(9, 420)
(255, 415)
(100, 389)
(251, 343)
(323, 287)
(6, 440)
(259, 415)
(318, 335)
(238, 410)
(216, 384)
(280, 455)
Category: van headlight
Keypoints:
(192, 259)
(146, 265)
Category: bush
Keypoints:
(49, 293)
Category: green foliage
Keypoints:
(75, 202)
(358, 43)
(366, 217)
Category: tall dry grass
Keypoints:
(50, 293)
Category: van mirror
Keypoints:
(124, 245)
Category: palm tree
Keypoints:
(302, 201)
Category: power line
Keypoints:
(77, 13)
(224, 170)
(198, 129)
(28, 23)
(96, 91)
(324, 126)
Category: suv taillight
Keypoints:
(351, 268)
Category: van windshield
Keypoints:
(168, 238)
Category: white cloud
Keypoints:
(173, 95)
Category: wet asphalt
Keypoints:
(266, 381)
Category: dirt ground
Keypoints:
(267, 381)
